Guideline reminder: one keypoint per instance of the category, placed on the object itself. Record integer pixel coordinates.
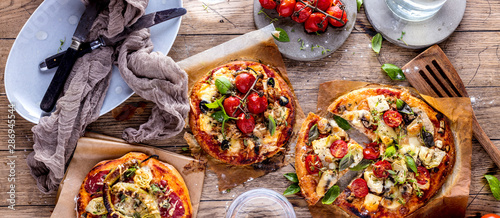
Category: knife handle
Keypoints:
(60, 77)
(55, 60)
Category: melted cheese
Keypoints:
(378, 103)
(355, 117)
(207, 92)
(205, 123)
(371, 202)
(234, 146)
(412, 148)
(386, 133)
(375, 184)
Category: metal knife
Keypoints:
(145, 21)
(70, 56)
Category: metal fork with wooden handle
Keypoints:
(437, 77)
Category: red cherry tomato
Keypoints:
(245, 123)
(316, 23)
(256, 104)
(423, 175)
(285, 8)
(244, 81)
(335, 11)
(490, 215)
(231, 105)
(359, 187)
(380, 169)
(322, 4)
(337, 2)
(94, 183)
(268, 4)
(301, 13)
(313, 164)
(393, 118)
(371, 153)
(338, 149)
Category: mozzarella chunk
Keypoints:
(438, 143)
(205, 123)
(378, 103)
(375, 184)
(356, 151)
(412, 148)
(371, 202)
(327, 180)
(355, 117)
(207, 91)
(386, 133)
(234, 146)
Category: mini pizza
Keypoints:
(242, 112)
(411, 154)
(135, 185)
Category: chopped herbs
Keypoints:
(283, 36)
(394, 72)
(377, 43)
(61, 44)
(494, 186)
(267, 16)
(301, 44)
(205, 7)
(331, 195)
(155, 188)
(319, 46)
(130, 171)
(401, 37)
(185, 149)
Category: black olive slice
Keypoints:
(203, 106)
(271, 82)
(283, 100)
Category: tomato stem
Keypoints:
(342, 7)
(249, 91)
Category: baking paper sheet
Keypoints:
(90, 151)
(256, 46)
(451, 199)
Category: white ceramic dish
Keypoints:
(55, 20)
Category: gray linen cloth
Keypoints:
(152, 75)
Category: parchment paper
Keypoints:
(90, 151)
(451, 199)
(256, 46)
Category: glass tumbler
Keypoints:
(260, 203)
(415, 10)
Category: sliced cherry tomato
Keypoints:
(313, 164)
(371, 153)
(338, 148)
(301, 13)
(393, 118)
(490, 215)
(257, 104)
(321, 4)
(359, 187)
(243, 82)
(423, 175)
(316, 23)
(285, 8)
(231, 105)
(380, 169)
(246, 123)
(268, 4)
(335, 11)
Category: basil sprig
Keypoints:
(293, 188)
(292, 177)
(377, 43)
(494, 186)
(331, 195)
(341, 122)
(346, 161)
(411, 163)
(394, 72)
(403, 107)
(215, 104)
(221, 116)
(223, 84)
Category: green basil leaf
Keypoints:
(331, 195)
(292, 177)
(394, 72)
(283, 35)
(400, 103)
(494, 185)
(390, 151)
(213, 105)
(359, 2)
(223, 84)
(377, 43)
(341, 122)
(411, 163)
(220, 116)
(391, 172)
(313, 133)
(362, 165)
(292, 189)
(271, 125)
(346, 161)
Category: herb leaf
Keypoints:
(283, 36)
(346, 161)
(390, 151)
(223, 84)
(391, 172)
(271, 125)
(331, 195)
(219, 116)
(394, 72)
(494, 185)
(362, 165)
(292, 189)
(341, 122)
(359, 2)
(377, 43)
(215, 104)
(411, 163)
(313, 133)
(292, 177)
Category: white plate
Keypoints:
(52, 21)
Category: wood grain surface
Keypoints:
(473, 50)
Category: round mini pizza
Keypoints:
(409, 158)
(135, 185)
(242, 112)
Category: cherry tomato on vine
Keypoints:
(301, 13)
(423, 175)
(380, 169)
(256, 104)
(316, 23)
(246, 123)
(268, 4)
(231, 105)
(490, 215)
(393, 118)
(371, 153)
(285, 8)
(322, 4)
(338, 149)
(335, 11)
(313, 164)
(244, 82)
(359, 188)
(337, 2)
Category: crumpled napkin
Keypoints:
(152, 75)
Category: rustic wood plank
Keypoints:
(28, 211)
(13, 15)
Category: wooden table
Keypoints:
(473, 49)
